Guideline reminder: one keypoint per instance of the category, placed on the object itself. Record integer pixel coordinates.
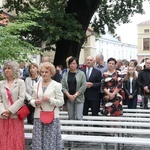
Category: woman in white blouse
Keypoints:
(30, 82)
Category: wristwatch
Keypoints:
(76, 94)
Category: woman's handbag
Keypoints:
(23, 112)
(47, 117)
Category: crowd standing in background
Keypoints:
(60, 69)
(63, 72)
(119, 65)
(100, 63)
(102, 66)
(23, 70)
(95, 85)
(124, 67)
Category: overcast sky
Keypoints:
(128, 32)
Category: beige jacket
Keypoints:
(17, 92)
(55, 94)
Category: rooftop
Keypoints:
(145, 22)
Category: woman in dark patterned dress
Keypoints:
(112, 84)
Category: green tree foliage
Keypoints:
(12, 45)
(52, 23)
(64, 22)
(113, 12)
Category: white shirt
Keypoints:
(21, 71)
(131, 79)
(88, 72)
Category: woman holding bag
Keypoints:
(47, 96)
(11, 127)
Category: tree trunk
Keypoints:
(84, 11)
(64, 49)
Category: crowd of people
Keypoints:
(101, 86)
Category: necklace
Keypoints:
(45, 83)
(10, 83)
(111, 72)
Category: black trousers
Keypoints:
(94, 105)
(145, 101)
(30, 117)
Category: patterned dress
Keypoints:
(112, 107)
(46, 136)
(12, 134)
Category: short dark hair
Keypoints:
(134, 61)
(112, 59)
(72, 59)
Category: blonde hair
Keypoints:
(15, 68)
(49, 66)
(128, 75)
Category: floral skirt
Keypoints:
(112, 107)
(12, 134)
(46, 136)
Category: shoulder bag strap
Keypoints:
(54, 108)
(37, 90)
(37, 96)
(9, 96)
(37, 93)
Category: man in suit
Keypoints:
(93, 78)
(144, 83)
